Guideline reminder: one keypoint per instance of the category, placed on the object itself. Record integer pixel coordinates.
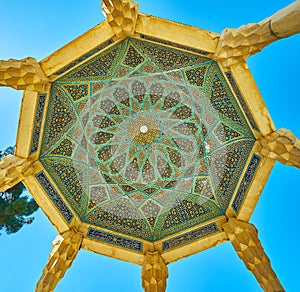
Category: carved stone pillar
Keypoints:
(286, 22)
(64, 250)
(121, 15)
(25, 74)
(244, 238)
(238, 44)
(281, 145)
(154, 273)
(14, 169)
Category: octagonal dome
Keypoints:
(144, 139)
(148, 141)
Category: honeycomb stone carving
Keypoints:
(144, 138)
(13, 169)
(283, 146)
(64, 250)
(121, 15)
(244, 238)
(154, 273)
(236, 45)
(25, 74)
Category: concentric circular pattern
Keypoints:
(160, 154)
(145, 140)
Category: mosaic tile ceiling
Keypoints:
(145, 139)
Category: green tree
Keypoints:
(15, 207)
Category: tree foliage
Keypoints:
(15, 207)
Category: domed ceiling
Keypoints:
(145, 139)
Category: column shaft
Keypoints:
(154, 273)
(236, 45)
(244, 238)
(64, 250)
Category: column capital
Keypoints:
(25, 74)
(244, 238)
(121, 15)
(65, 248)
(281, 145)
(14, 169)
(154, 273)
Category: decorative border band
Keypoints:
(164, 42)
(84, 57)
(241, 100)
(54, 196)
(38, 119)
(245, 183)
(189, 236)
(117, 240)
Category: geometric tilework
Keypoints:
(54, 196)
(189, 236)
(144, 145)
(246, 182)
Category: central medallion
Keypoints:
(144, 129)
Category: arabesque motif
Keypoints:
(148, 152)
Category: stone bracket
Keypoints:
(25, 74)
(281, 145)
(121, 15)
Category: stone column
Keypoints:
(154, 273)
(64, 250)
(121, 15)
(244, 238)
(281, 145)
(14, 169)
(238, 44)
(25, 74)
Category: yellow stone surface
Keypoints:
(121, 15)
(25, 74)
(154, 273)
(64, 250)
(283, 146)
(244, 238)
(14, 169)
(236, 45)
(231, 50)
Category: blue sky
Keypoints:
(37, 28)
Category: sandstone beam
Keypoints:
(154, 273)
(237, 45)
(64, 250)
(121, 15)
(244, 238)
(283, 146)
(25, 74)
